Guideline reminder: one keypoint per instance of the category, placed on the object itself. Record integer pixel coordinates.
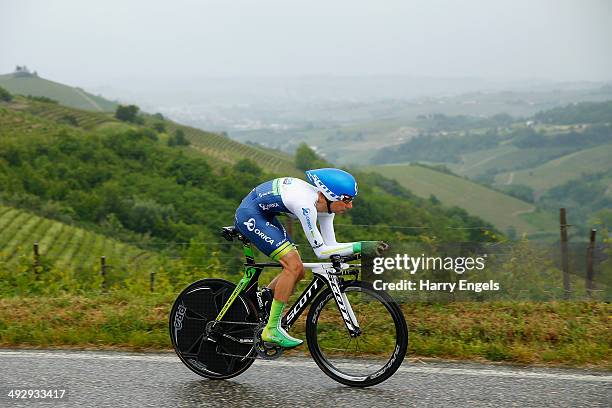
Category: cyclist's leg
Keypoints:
(269, 236)
(292, 267)
(293, 271)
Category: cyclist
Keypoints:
(330, 192)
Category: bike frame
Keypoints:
(324, 274)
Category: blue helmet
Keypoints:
(335, 184)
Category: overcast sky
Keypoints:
(99, 42)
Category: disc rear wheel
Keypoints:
(213, 350)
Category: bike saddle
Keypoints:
(231, 232)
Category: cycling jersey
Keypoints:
(256, 219)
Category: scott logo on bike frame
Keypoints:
(303, 300)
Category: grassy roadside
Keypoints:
(558, 333)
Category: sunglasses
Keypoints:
(346, 199)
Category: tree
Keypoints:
(306, 158)
(127, 113)
(5, 95)
(248, 166)
(160, 127)
(178, 139)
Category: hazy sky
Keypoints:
(98, 42)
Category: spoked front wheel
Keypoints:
(383, 338)
(223, 352)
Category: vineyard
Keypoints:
(26, 116)
(64, 246)
(65, 115)
(230, 151)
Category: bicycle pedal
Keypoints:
(268, 351)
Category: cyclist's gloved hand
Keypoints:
(373, 248)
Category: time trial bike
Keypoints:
(216, 326)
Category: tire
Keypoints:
(198, 304)
(383, 329)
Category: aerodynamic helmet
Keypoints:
(335, 184)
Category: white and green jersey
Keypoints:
(296, 198)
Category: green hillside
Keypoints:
(504, 157)
(29, 84)
(497, 208)
(67, 247)
(124, 181)
(64, 115)
(558, 171)
(75, 108)
(228, 151)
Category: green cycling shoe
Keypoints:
(279, 336)
(274, 333)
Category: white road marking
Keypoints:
(293, 362)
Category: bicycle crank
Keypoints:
(264, 349)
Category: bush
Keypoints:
(69, 119)
(5, 95)
(178, 139)
(128, 113)
(306, 158)
(520, 191)
(160, 127)
(43, 99)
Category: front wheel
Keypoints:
(383, 338)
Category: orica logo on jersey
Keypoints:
(266, 207)
(306, 213)
(250, 224)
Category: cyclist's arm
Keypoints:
(326, 222)
(321, 248)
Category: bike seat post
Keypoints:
(247, 249)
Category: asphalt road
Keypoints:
(110, 379)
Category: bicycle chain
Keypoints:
(256, 339)
(238, 355)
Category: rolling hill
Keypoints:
(499, 209)
(225, 150)
(68, 247)
(563, 150)
(123, 180)
(31, 84)
(560, 170)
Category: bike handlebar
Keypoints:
(338, 259)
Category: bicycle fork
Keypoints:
(350, 320)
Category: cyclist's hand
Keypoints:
(373, 248)
(381, 247)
